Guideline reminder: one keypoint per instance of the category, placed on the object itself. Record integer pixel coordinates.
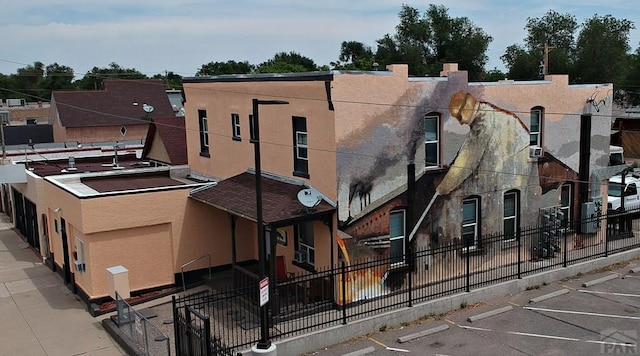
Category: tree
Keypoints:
(426, 42)
(601, 50)
(228, 67)
(287, 63)
(553, 30)
(92, 80)
(57, 77)
(354, 55)
(629, 93)
(170, 79)
(28, 80)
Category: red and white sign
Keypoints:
(264, 291)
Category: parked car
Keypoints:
(630, 190)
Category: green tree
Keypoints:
(28, 81)
(426, 42)
(57, 77)
(629, 93)
(287, 63)
(521, 64)
(354, 55)
(601, 50)
(228, 67)
(170, 79)
(92, 80)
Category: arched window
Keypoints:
(511, 215)
(432, 140)
(471, 222)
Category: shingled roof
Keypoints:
(172, 135)
(113, 105)
(237, 195)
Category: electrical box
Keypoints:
(589, 218)
(118, 281)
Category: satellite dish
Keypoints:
(309, 197)
(147, 108)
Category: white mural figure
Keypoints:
(493, 159)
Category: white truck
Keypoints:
(630, 191)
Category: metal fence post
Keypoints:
(410, 271)
(344, 293)
(187, 317)
(207, 337)
(519, 256)
(564, 257)
(176, 325)
(468, 269)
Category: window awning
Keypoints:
(280, 205)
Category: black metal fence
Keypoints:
(224, 322)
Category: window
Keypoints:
(204, 133)
(566, 197)
(300, 148)
(55, 225)
(511, 215)
(396, 237)
(79, 257)
(535, 127)
(235, 127)
(470, 222)
(305, 251)
(432, 141)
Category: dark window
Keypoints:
(397, 236)
(432, 141)
(566, 197)
(471, 222)
(305, 251)
(511, 215)
(235, 127)
(204, 133)
(300, 148)
(536, 126)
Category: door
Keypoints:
(65, 251)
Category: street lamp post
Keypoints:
(264, 346)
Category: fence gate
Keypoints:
(193, 334)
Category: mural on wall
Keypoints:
(492, 159)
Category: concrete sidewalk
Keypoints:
(38, 314)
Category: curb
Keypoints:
(599, 280)
(368, 350)
(549, 296)
(634, 270)
(473, 318)
(422, 333)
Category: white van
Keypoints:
(616, 155)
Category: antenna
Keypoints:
(309, 197)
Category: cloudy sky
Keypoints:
(180, 35)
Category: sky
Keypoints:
(154, 36)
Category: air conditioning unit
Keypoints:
(300, 256)
(80, 266)
(535, 151)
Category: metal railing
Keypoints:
(147, 338)
(344, 293)
(208, 255)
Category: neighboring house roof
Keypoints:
(113, 105)
(237, 195)
(126, 182)
(173, 138)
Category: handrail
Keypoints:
(184, 287)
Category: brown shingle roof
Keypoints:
(237, 195)
(113, 105)
(171, 131)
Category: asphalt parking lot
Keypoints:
(591, 314)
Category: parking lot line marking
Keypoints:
(562, 285)
(610, 343)
(450, 322)
(583, 313)
(473, 328)
(543, 336)
(396, 349)
(377, 342)
(512, 303)
(609, 293)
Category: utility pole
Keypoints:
(545, 62)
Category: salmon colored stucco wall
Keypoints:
(102, 133)
(228, 157)
(33, 190)
(158, 151)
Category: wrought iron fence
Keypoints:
(302, 303)
(147, 338)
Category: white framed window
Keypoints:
(302, 150)
(300, 147)
(79, 257)
(397, 237)
(204, 132)
(305, 250)
(432, 140)
(566, 197)
(235, 126)
(511, 212)
(535, 126)
(470, 222)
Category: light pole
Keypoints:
(264, 345)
